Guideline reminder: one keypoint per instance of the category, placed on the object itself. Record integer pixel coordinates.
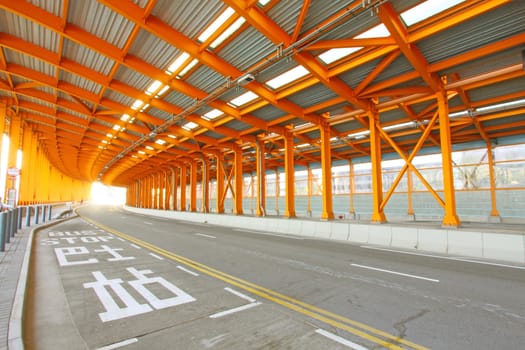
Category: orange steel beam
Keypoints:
(378, 214)
(289, 210)
(398, 31)
(326, 166)
(450, 218)
(154, 25)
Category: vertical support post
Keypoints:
(351, 188)
(261, 178)
(49, 212)
(308, 191)
(410, 185)
(289, 173)
(239, 182)
(494, 213)
(205, 185)
(326, 165)
(277, 190)
(450, 218)
(378, 215)
(174, 188)
(183, 184)
(220, 182)
(44, 211)
(193, 186)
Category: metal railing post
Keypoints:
(37, 214)
(8, 226)
(19, 212)
(44, 207)
(3, 231)
(28, 215)
(49, 212)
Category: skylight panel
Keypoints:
(378, 31)
(243, 99)
(426, 10)
(228, 32)
(333, 55)
(125, 117)
(137, 104)
(150, 148)
(153, 87)
(162, 91)
(215, 25)
(287, 77)
(188, 67)
(263, 2)
(177, 63)
(190, 126)
(214, 113)
(160, 142)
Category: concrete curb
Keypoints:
(488, 245)
(14, 336)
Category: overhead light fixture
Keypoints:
(245, 79)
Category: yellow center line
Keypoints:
(367, 332)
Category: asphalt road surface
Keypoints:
(116, 280)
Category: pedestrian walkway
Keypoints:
(11, 274)
(10, 265)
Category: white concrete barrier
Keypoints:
(485, 245)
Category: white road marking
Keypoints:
(340, 340)
(234, 310)
(148, 223)
(444, 257)
(182, 268)
(240, 295)
(156, 256)
(203, 235)
(119, 344)
(395, 273)
(269, 234)
(135, 246)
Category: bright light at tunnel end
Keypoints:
(107, 195)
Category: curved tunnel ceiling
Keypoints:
(119, 89)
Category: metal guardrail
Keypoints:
(13, 219)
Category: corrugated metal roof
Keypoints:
(153, 50)
(189, 17)
(100, 21)
(501, 23)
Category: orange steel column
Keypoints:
(308, 190)
(450, 218)
(277, 190)
(378, 215)
(205, 185)
(289, 173)
(326, 165)
(183, 183)
(11, 193)
(410, 186)
(174, 189)
(26, 178)
(494, 213)
(219, 173)
(193, 186)
(351, 187)
(239, 181)
(261, 178)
